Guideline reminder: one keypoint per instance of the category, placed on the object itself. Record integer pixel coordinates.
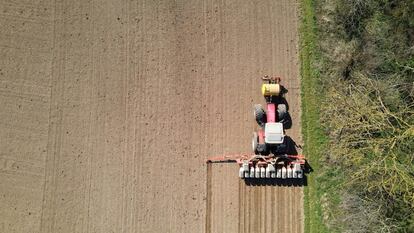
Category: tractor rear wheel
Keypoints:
(287, 121)
(262, 149)
(259, 114)
(255, 142)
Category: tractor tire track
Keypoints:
(260, 208)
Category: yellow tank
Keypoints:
(269, 89)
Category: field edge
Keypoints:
(313, 135)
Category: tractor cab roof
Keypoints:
(274, 133)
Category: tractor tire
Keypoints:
(280, 149)
(281, 112)
(262, 149)
(287, 121)
(255, 142)
(259, 114)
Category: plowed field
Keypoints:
(108, 110)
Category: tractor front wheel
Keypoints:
(259, 114)
(281, 111)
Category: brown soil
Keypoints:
(110, 108)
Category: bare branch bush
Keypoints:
(366, 216)
(369, 139)
(366, 69)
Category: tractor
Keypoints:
(270, 158)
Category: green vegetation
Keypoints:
(357, 71)
(314, 137)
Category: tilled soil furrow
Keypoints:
(114, 105)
